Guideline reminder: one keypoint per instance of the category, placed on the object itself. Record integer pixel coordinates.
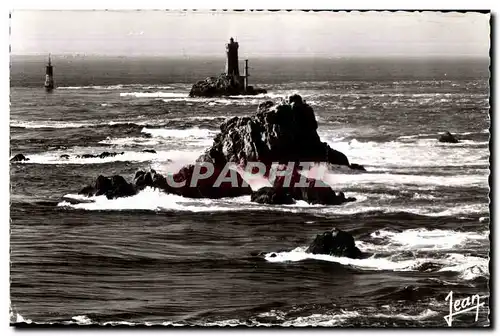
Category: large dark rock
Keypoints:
(184, 183)
(448, 137)
(335, 243)
(18, 158)
(112, 187)
(283, 133)
(222, 85)
(272, 195)
(310, 190)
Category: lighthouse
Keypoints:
(49, 76)
(232, 68)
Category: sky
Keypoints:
(271, 34)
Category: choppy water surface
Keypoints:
(422, 206)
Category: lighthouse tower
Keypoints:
(49, 76)
(232, 67)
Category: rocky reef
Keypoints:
(278, 137)
(283, 133)
(220, 86)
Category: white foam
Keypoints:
(321, 320)
(130, 141)
(345, 181)
(419, 317)
(82, 320)
(156, 200)
(49, 124)
(425, 239)
(20, 319)
(387, 155)
(469, 267)
(371, 263)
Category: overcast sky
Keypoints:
(323, 34)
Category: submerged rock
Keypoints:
(18, 158)
(448, 137)
(310, 190)
(336, 243)
(272, 195)
(100, 156)
(112, 187)
(222, 85)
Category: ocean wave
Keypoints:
(346, 181)
(155, 200)
(467, 267)
(54, 158)
(422, 316)
(430, 152)
(114, 87)
(436, 135)
(182, 143)
(321, 320)
(64, 124)
(92, 87)
(130, 141)
(194, 132)
(425, 240)
(158, 94)
(49, 124)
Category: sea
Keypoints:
(422, 208)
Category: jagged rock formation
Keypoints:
(112, 187)
(222, 85)
(285, 133)
(182, 183)
(299, 188)
(448, 137)
(336, 243)
(272, 195)
(277, 133)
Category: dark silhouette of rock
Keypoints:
(448, 137)
(112, 187)
(282, 133)
(336, 243)
(149, 151)
(272, 195)
(64, 156)
(192, 188)
(222, 85)
(309, 190)
(101, 156)
(18, 158)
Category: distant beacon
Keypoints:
(232, 67)
(49, 76)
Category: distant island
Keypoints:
(229, 83)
